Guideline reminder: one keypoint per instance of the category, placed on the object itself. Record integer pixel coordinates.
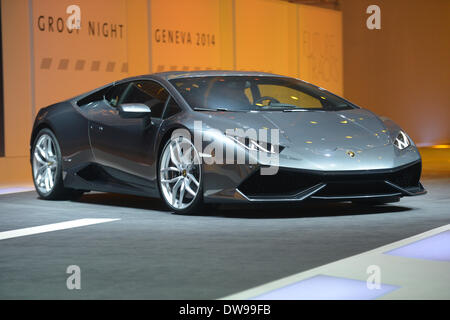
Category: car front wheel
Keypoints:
(180, 176)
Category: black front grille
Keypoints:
(406, 178)
(285, 182)
(355, 188)
(288, 182)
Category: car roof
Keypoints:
(210, 73)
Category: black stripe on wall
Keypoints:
(2, 119)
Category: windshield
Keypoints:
(250, 93)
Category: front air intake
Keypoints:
(284, 183)
(289, 182)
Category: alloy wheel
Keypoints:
(45, 164)
(180, 173)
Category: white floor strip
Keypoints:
(416, 278)
(15, 189)
(51, 227)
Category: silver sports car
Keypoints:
(194, 138)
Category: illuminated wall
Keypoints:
(185, 35)
(17, 87)
(69, 62)
(44, 62)
(266, 36)
(320, 49)
(401, 71)
(2, 127)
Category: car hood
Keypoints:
(319, 129)
(353, 139)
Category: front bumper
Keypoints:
(290, 185)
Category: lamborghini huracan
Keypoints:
(123, 138)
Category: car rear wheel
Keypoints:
(47, 168)
(180, 176)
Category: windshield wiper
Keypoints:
(282, 107)
(296, 110)
(208, 109)
(219, 109)
(203, 109)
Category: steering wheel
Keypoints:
(261, 99)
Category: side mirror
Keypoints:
(134, 110)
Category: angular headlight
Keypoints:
(402, 141)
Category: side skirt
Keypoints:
(94, 177)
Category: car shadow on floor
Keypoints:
(123, 200)
(306, 210)
(257, 211)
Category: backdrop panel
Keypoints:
(44, 62)
(320, 56)
(68, 62)
(265, 36)
(2, 125)
(185, 35)
(401, 71)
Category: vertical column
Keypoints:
(2, 131)
(227, 35)
(265, 37)
(320, 51)
(138, 50)
(17, 77)
(186, 35)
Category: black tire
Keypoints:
(197, 206)
(58, 191)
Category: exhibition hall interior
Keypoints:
(333, 117)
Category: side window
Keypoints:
(147, 92)
(96, 96)
(114, 94)
(171, 109)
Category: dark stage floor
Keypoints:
(151, 253)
